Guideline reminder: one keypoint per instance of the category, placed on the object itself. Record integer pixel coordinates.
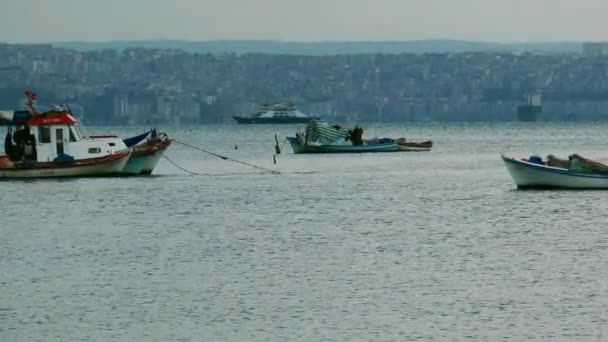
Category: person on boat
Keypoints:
(29, 147)
(20, 136)
(356, 136)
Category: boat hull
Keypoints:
(141, 165)
(299, 148)
(143, 160)
(416, 147)
(529, 176)
(272, 120)
(96, 167)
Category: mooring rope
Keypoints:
(227, 158)
(179, 167)
(280, 147)
(284, 143)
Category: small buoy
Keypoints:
(236, 147)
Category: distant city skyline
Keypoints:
(312, 20)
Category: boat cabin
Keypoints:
(52, 136)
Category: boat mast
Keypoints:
(31, 100)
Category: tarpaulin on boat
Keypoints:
(132, 141)
(14, 118)
(580, 164)
(323, 133)
(557, 162)
(7, 115)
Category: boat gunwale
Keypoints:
(144, 151)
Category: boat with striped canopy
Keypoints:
(320, 137)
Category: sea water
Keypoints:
(367, 247)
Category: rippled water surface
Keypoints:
(367, 247)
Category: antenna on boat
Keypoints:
(31, 100)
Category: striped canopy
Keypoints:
(323, 133)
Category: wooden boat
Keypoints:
(146, 155)
(409, 146)
(51, 144)
(320, 137)
(535, 173)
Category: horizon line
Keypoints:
(323, 41)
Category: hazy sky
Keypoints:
(303, 20)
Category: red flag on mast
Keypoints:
(30, 95)
(31, 99)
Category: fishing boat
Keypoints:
(282, 113)
(52, 144)
(320, 137)
(574, 173)
(146, 152)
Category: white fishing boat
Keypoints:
(51, 144)
(575, 173)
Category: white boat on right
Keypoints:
(575, 172)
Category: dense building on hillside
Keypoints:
(595, 49)
(155, 85)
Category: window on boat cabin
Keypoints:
(72, 135)
(94, 150)
(79, 132)
(45, 134)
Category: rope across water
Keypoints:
(224, 158)
(179, 167)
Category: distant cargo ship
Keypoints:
(283, 113)
(529, 111)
